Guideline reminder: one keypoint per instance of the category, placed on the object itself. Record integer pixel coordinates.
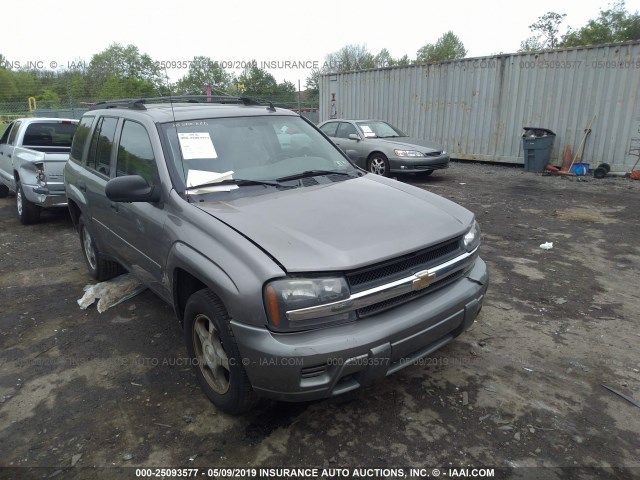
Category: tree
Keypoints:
(126, 63)
(448, 47)
(612, 25)
(404, 60)
(8, 90)
(548, 26)
(313, 81)
(349, 58)
(202, 72)
(531, 44)
(257, 81)
(384, 59)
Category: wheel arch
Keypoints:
(374, 153)
(74, 211)
(191, 272)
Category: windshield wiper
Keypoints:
(311, 173)
(241, 182)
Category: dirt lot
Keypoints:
(522, 388)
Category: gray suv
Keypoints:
(295, 274)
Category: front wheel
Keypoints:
(214, 354)
(28, 212)
(378, 164)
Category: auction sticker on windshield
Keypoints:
(197, 145)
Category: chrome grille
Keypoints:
(394, 302)
(401, 267)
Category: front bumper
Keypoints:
(419, 164)
(327, 362)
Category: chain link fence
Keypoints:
(304, 104)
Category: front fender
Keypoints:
(240, 290)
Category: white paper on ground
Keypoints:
(112, 292)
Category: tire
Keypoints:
(28, 213)
(4, 190)
(99, 268)
(214, 354)
(378, 164)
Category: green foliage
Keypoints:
(531, 44)
(137, 72)
(48, 99)
(8, 89)
(349, 58)
(202, 72)
(448, 47)
(548, 26)
(612, 25)
(257, 81)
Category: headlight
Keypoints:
(471, 239)
(281, 296)
(444, 152)
(408, 153)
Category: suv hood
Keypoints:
(343, 225)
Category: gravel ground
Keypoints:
(84, 394)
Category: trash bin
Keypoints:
(536, 143)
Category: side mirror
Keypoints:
(354, 136)
(131, 188)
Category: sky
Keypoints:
(53, 34)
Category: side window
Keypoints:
(80, 138)
(345, 129)
(101, 145)
(14, 133)
(5, 135)
(329, 129)
(135, 154)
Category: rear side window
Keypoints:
(101, 145)
(14, 133)
(80, 139)
(135, 154)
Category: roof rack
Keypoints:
(139, 103)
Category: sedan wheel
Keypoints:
(379, 165)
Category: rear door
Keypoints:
(98, 171)
(6, 152)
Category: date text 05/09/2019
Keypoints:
(307, 473)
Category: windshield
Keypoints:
(259, 148)
(379, 129)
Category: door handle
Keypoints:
(82, 186)
(9, 155)
(114, 206)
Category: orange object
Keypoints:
(551, 168)
(566, 160)
(635, 175)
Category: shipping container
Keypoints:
(477, 107)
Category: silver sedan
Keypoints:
(381, 148)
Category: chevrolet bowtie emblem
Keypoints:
(423, 280)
